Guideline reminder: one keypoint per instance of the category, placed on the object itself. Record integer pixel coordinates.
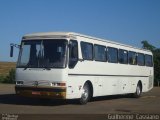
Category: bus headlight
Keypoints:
(55, 84)
(19, 82)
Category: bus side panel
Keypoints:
(108, 78)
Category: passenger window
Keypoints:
(73, 53)
(87, 51)
(100, 53)
(132, 57)
(112, 55)
(123, 56)
(140, 59)
(148, 60)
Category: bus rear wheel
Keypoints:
(86, 94)
(138, 92)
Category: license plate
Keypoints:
(36, 93)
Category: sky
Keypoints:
(125, 21)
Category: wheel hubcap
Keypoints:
(138, 90)
(85, 93)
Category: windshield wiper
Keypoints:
(29, 64)
(25, 68)
(47, 68)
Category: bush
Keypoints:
(10, 78)
(2, 79)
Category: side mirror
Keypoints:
(12, 45)
(11, 50)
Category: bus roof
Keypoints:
(72, 34)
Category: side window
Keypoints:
(100, 53)
(87, 51)
(112, 55)
(140, 59)
(132, 58)
(123, 56)
(73, 53)
(25, 54)
(148, 60)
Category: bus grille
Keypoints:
(37, 83)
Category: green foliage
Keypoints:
(147, 46)
(157, 65)
(2, 79)
(156, 55)
(10, 78)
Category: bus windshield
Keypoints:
(42, 54)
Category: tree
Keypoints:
(157, 65)
(147, 46)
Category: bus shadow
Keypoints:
(111, 97)
(18, 100)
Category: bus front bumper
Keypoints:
(41, 92)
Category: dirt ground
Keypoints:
(149, 103)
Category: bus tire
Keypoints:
(138, 92)
(86, 94)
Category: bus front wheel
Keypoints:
(86, 94)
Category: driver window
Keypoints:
(73, 53)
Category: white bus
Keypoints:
(67, 65)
